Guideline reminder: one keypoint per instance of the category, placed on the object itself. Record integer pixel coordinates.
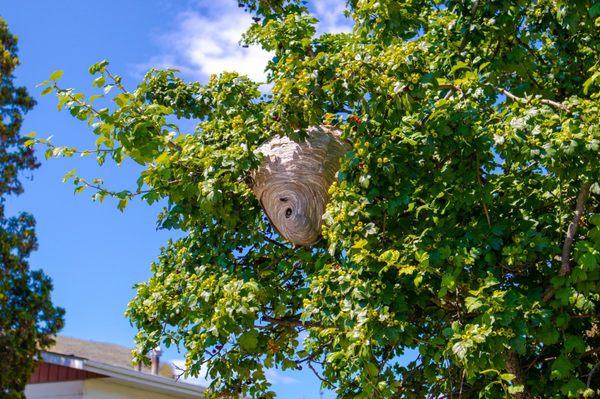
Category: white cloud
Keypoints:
(205, 40)
(163, 61)
(275, 377)
(209, 42)
(331, 16)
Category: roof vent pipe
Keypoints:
(155, 359)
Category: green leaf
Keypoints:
(99, 81)
(371, 369)
(588, 261)
(162, 158)
(460, 349)
(563, 295)
(69, 175)
(460, 65)
(515, 389)
(121, 99)
(574, 343)
(490, 371)
(418, 280)
(406, 269)
(360, 244)
(98, 67)
(561, 368)
(549, 335)
(473, 303)
(248, 341)
(56, 75)
(122, 204)
(590, 80)
(423, 258)
(594, 10)
(573, 388)
(389, 257)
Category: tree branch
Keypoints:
(591, 374)
(450, 87)
(117, 81)
(522, 100)
(316, 373)
(290, 322)
(565, 266)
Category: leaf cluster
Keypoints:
(464, 223)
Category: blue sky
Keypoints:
(94, 253)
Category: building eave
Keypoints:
(126, 376)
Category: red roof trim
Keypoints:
(46, 372)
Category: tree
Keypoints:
(463, 223)
(28, 320)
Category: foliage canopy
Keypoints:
(464, 222)
(28, 320)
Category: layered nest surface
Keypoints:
(293, 181)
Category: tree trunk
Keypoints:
(513, 366)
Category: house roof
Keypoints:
(74, 358)
(103, 352)
(125, 376)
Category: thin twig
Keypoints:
(585, 315)
(117, 82)
(71, 97)
(591, 374)
(590, 352)
(327, 382)
(451, 89)
(290, 322)
(272, 241)
(73, 150)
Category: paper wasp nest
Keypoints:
(293, 181)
